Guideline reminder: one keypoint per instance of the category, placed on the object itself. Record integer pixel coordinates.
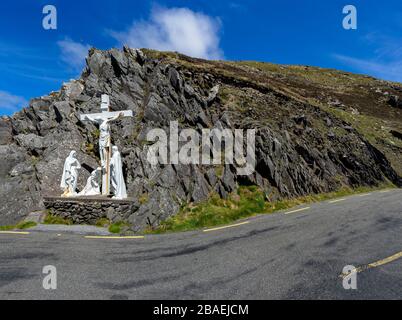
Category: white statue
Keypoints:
(70, 175)
(104, 132)
(103, 119)
(92, 188)
(117, 179)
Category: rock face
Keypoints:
(300, 148)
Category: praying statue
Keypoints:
(117, 179)
(70, 175)
(93, 186)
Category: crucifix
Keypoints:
(103, 119)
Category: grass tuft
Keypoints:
(118, 226)
(26, 225)
(21, 225)
(102, 222)
(53, 219)
(7, 228)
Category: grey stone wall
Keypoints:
(89, 210)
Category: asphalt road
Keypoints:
(299, 255)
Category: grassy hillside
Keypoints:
(363, 102)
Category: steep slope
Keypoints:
(308, 137)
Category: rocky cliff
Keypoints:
(316, 130)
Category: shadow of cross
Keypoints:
(103, 119)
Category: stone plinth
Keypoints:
(87, 210)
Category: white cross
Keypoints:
(103, 119)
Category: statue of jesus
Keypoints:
(103, 119)
(104, 137)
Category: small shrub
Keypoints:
(102, 222)
(118, 226)
(144, 198)
(89, 148)
(53, 219)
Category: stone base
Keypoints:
(88, 210)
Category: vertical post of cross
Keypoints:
(105, 108)
(103, 119)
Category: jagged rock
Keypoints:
(30, 141)
(21, 169)
(37, 216)
(6, 136)
(396, 134)
(395, 101)
(213, 94)
(71, 90)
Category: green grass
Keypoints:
(52, 219)
(117, 227)
(144, 198)
(102, 222)
(21, 225)
(7, 228)
(243, 203)
(319, 76)
(26, 225)
(246, 202)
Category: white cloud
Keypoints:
(385, 63)
(10, 102)
(73, 53)
(175, 29)
(384, 70)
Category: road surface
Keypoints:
(295, 254)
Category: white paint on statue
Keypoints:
(70, 175)
(93, 186)
(117, 179)
(103, 119)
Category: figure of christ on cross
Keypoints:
(104, 119)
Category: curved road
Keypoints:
(297, 254)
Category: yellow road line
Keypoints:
(225, 227)
(298, 210)
(335, 201)
(113, 237)
(14, 232)
(375, 264)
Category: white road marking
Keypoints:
(298, 210)
(364, 195)
(335, 201)
(114, 237)
(225, 227)
(14, 232)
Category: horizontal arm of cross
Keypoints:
(107, 115)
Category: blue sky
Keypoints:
(35, 61)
